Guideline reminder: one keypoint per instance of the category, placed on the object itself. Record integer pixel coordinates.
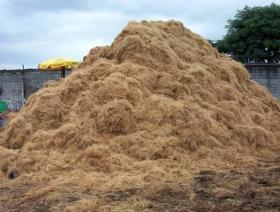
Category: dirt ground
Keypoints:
(255, 189)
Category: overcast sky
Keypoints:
(35, 30)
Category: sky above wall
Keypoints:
(35, 30)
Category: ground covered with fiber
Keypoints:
(158, 114)
(255, 189)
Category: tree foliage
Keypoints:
(253, 35)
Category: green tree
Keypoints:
(253, 35)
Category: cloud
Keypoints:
(34, 30)
(67, 33)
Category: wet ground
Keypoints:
(256, 189)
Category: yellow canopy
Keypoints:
(57, 64)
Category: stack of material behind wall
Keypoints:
(156, 106)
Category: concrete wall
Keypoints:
(18, 85)
(267, 75)
(34, 80)
(11, 84)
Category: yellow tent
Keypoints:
(57, 64)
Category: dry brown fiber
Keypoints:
(156, 106)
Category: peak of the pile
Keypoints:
(156, 44)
